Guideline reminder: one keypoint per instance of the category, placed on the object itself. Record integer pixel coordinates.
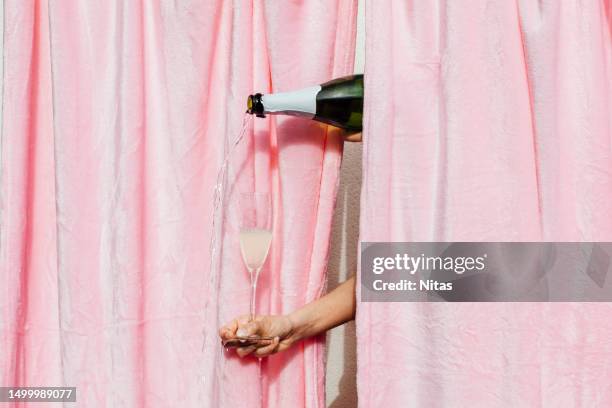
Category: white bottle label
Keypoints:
(300, 103)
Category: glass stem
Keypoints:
(254, 277)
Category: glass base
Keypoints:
(247, 341)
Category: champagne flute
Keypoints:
(255, 239)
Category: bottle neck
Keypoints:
(302, 102)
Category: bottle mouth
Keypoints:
(255, 106)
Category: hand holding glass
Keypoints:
(255, 239)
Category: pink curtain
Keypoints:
(487, 120)
(116, 116)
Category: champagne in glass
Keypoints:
(255, 237)
(255, 244)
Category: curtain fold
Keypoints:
(487, 122)
(116, 117)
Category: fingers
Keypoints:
(245, 351)
(352, 136)
(229, 330)
(259, 351)
(269, 349)
(243, 334)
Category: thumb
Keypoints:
(248, 329)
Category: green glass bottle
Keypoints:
(338, 103)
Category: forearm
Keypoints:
(331, 310)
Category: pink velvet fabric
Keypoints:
(116, 115)
(487, 120)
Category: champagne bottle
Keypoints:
(338, 103)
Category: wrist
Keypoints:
(299, 326)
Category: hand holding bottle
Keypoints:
(352, 136)
(338, 103)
